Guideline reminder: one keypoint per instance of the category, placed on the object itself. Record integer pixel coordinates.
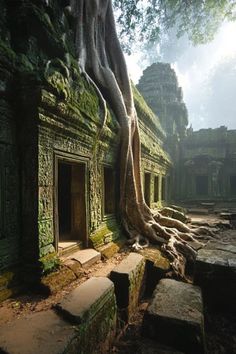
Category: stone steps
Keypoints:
(84, 322)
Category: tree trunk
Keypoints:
(102, 62)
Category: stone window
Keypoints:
(233, 185)
(147, 185)
(109, 191)
(201, 185)
(163, 189)
(71, 201)
(156, 189)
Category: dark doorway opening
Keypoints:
(163, 189)
(202, 185)
(72, 225)
(147, 185)
(233, 185)
(156, 189)
(109, 191)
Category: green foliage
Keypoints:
(145, 20)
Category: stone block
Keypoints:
(92, 306)
(156, 267)
(128, 278)
(174, 317)
(40, 333)
(86, 257)
(215, 272)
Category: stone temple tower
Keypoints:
(159, 87)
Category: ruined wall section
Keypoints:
(156, 162)
(208, 165)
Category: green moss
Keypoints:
(49, 262)
(108, 232)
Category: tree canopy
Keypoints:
(142, 21)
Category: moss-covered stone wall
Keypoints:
(49, 113)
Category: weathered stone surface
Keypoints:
(92, 305)
(128, 278)
(175, 316)
(86, 257)
(87, 299)
(57, 280)
(156, 267)
(215, 272)
(108, 250)
(40, 333)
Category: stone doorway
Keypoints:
(71, 216)
(202, 185)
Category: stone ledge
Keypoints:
(175, 316)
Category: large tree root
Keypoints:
(101, 58)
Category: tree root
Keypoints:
(101, 58)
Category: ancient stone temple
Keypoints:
(58, 161)
(205, 160)
(159, 86)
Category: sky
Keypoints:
(200, 72)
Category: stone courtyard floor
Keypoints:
(220, 327)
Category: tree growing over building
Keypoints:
(102, 62)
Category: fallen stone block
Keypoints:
(92, 306)
(40, 333)
(215, 272)
(174, 317)
(128, 278)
